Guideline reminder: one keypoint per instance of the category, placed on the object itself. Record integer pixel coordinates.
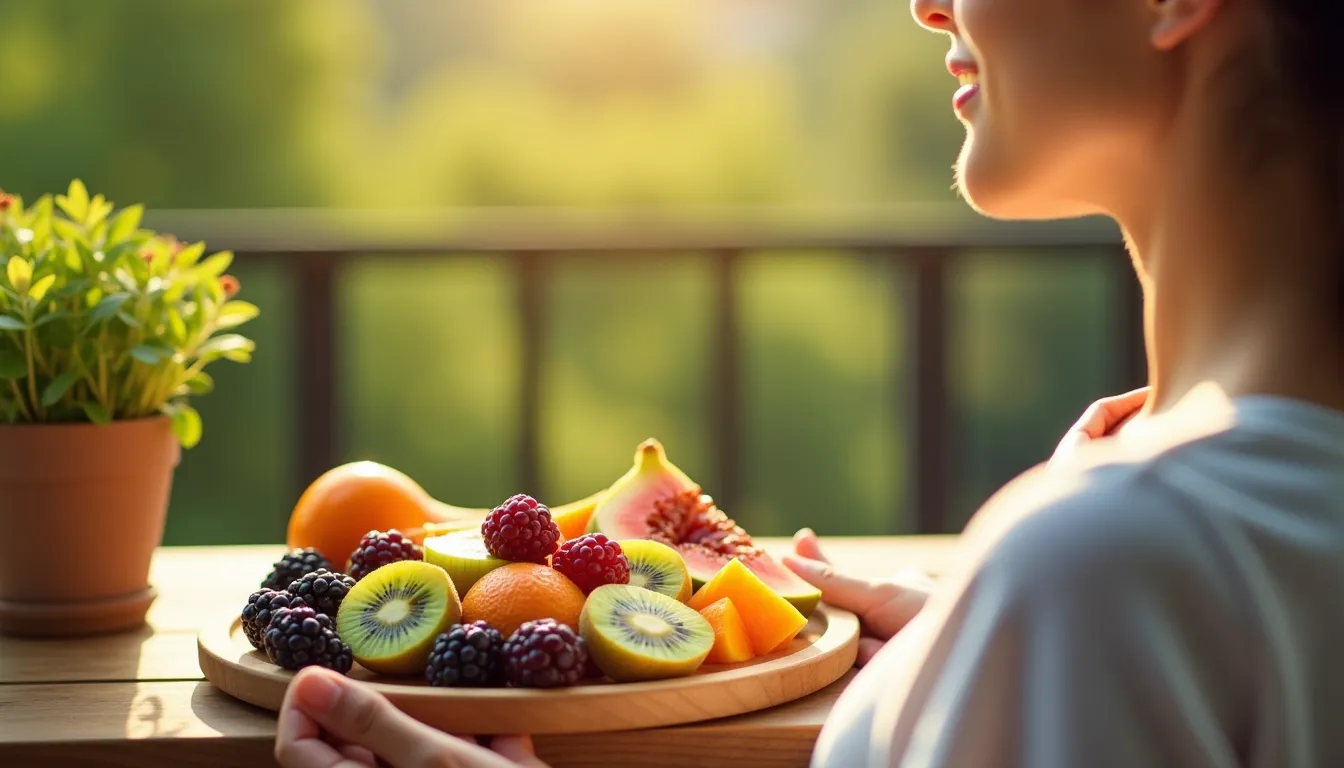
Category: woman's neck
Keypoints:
(1240, 276)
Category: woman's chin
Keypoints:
(999, 189)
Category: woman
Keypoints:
(1171, 593)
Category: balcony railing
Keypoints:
(315, 245)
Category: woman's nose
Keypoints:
(933, 14)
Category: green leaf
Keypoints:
(59, 386)
(75, 203)
(201, 384)
(67, 231)
(96, 413)
(128, 320)
(105, 309)
(235, 313)
(187, 256)
(125, 223)
(11, 323)
(20, 273)
(41, 287)
(151, 353)
(176, 327)
(223, 346)
(186, 425)
(51, 317)
(215, 265)
(13, 365)
(98, 210)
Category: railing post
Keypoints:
(529, 273)
(933, 425)
(316, 394)
(725, 374)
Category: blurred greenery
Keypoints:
(566, 103)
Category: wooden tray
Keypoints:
(819, 656)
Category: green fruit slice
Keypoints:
(391, 617)
(637, 634)
(657, 567)
(656, 500)
(463, 555)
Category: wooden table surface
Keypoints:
(139, 698)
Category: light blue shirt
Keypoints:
(1170, 597)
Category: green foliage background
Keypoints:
(400, 103)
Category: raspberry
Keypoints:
(520, 530)
(321, 590)
(377, 549)
(297, 564)
(467, 655)
(591, 561)
(261, 605)
(545, 654)
(301, 637)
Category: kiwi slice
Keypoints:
(391, 618)
(637, 634)
(657, 567)
(463, 555)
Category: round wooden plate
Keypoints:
(819, 656)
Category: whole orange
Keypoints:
(520, 592)
(348, 501)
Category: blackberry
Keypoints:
(297, 564)
(521, 530)
(545, 654)
(321, 590)
(467, 655)
(592, 560)
(261, 605)
(301, 637)
(377, 549)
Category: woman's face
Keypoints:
(1063, 101)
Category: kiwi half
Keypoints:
(637, 634)
(463, 555)
(657, 567)
(391, 618)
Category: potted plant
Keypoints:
(106, 329)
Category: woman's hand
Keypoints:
(1099, 420)
(884, 606)
(330, 721)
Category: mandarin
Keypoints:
(512, 594)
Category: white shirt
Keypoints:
(1170, 597)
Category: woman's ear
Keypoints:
(1176, 20)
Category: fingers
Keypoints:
(860, 596)
(355, 716)
(517, 749)
(805, 544)
(299, 744)
(868, 648)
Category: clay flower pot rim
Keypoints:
(74, 426)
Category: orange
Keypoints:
(731, 642)
(771, 621)
(519, 592)
(348, 501)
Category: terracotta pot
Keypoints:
(82, 509)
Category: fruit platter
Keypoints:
(643, 605)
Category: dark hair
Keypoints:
(1310, 72)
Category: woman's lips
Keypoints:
(964, 95)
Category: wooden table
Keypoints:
(139, 698)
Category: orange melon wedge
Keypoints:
(770, 620)
(731, 641)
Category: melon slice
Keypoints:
(573, 518)
(769, 619)
(732, 644)
(656, 500)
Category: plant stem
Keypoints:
(18, 397)
(32, 374)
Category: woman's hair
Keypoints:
(1309, 73)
